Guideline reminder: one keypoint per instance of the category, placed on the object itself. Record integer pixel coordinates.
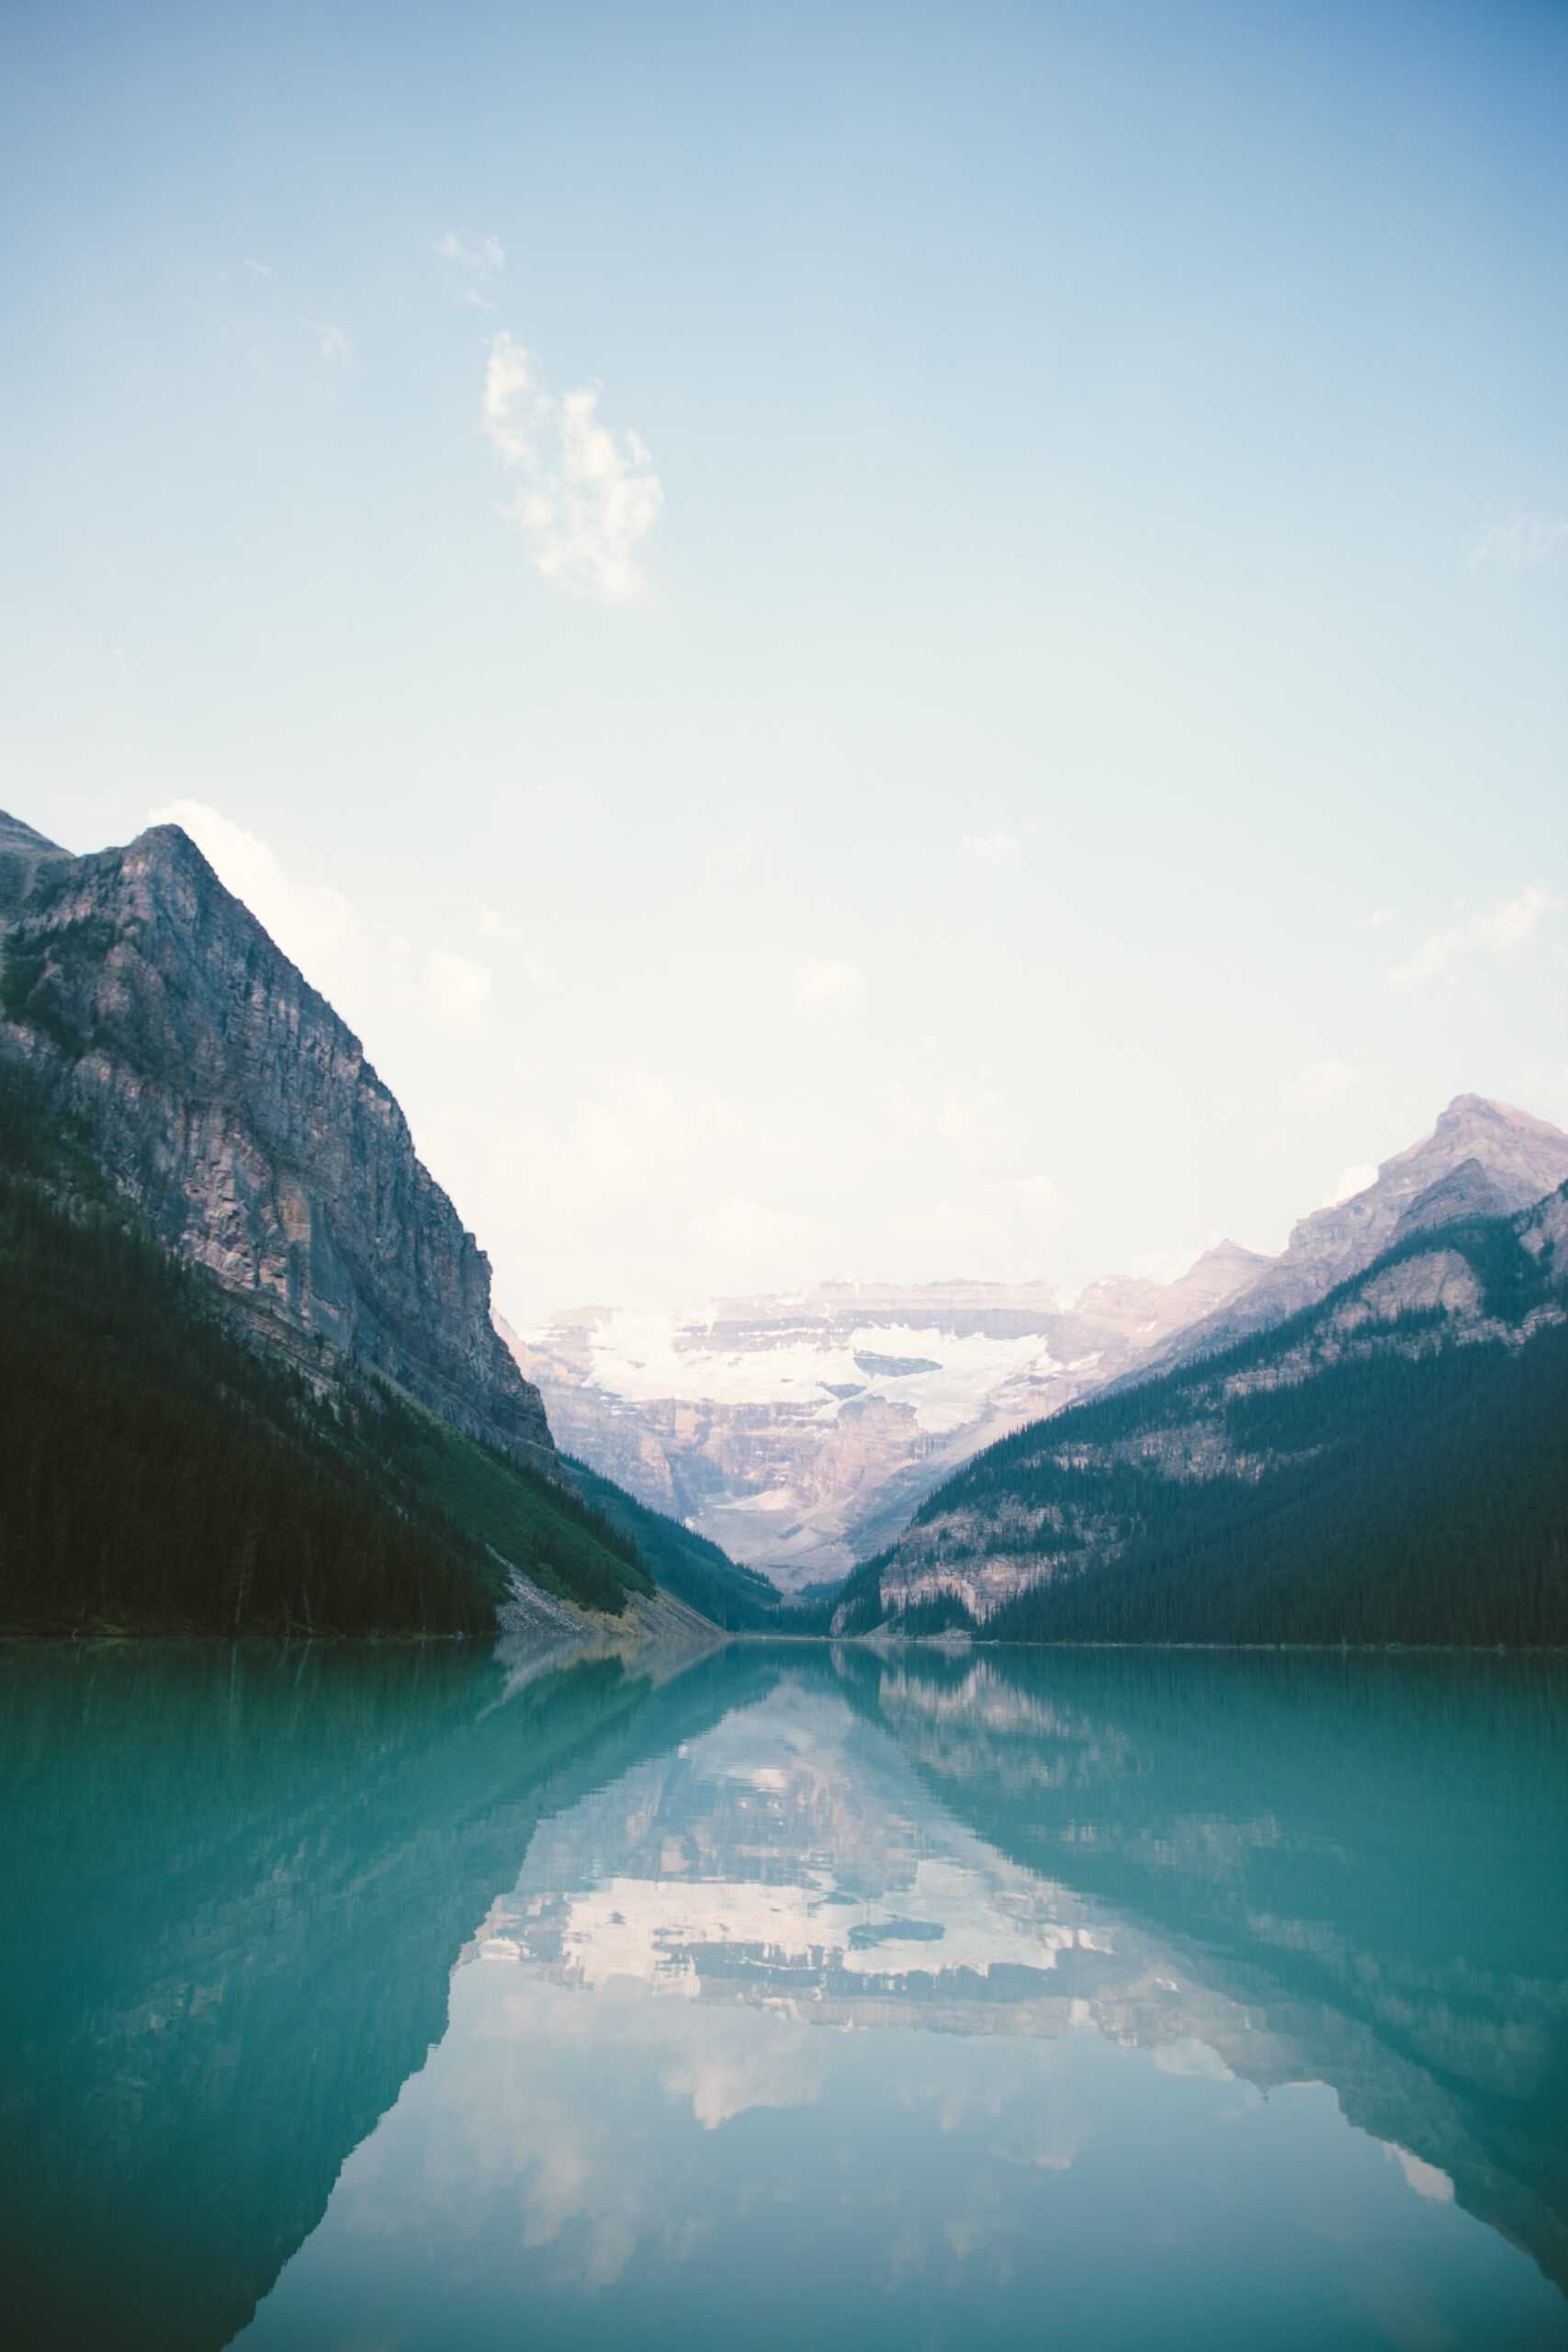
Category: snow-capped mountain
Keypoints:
(800, 1431)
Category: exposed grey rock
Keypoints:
(22, 852)
(227, 1098)
(1466, 1190)
(1482, 1157)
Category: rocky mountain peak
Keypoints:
(1464, 1192)
(15, 832)
(1524, 1155)
(22, 852)
(1482, 1157)
(228, 1100)
(1226, 1254)
(1465, 1107)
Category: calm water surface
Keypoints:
(376, 1999)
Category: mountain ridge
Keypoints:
(1386, 1463)
(239, 1111)
(1520, 1158)
(797, 1430)
(200, 1167)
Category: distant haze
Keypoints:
(877, 643)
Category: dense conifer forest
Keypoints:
(689, 1565)
(1417, 1493)
(158, 1472)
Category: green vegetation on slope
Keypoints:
(1415, 1494)
(538, 1524)
(743, 1600)
(157, 1471)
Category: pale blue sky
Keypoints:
(1072, 601)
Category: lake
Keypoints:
(379, 1997)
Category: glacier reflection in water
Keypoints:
(801, 1995)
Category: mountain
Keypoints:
(228, 1102)
(696, 1572)
(800, 1431)
(250, 1375)
(1386, 1464)
(1482, 1157)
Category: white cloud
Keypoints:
(1378, 918)
(1424, 2178)
(484, 258)
(995, 1232)
(259, 268)
(826, 984)
(586, 497)
(331, 342)
(457, 986)
(1321, 1084)
(495, 926)
(1519, 542)
(989, 849)
(980, 1127)
(1492, 930)
(1352, 1181)
(366, 976)
(316, 927)
(753, 1245)
(615, 1186)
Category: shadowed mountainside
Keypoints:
(1388, 1465)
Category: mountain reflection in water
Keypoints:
(422, 1999)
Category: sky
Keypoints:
(858, 641)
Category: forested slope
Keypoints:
(1390, 1464)
(159, 1471)
(695, 1570)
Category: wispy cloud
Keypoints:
(1519, 542)
(1491, 931)
(475, 264)
(359, 970)
(989, 849)
(1424, 2178)
(586, 496)
(826, 984)
(458, 985)
(1352, 1181)
(1321, 1084)
(333, 343)
(749, 1242)
(485, 257)
(318, 927)
(1000, 1231)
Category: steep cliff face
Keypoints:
(799, 1432)
(228, 1101)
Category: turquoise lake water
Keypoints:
(376, 1999)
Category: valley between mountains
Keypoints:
(254, 1378)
